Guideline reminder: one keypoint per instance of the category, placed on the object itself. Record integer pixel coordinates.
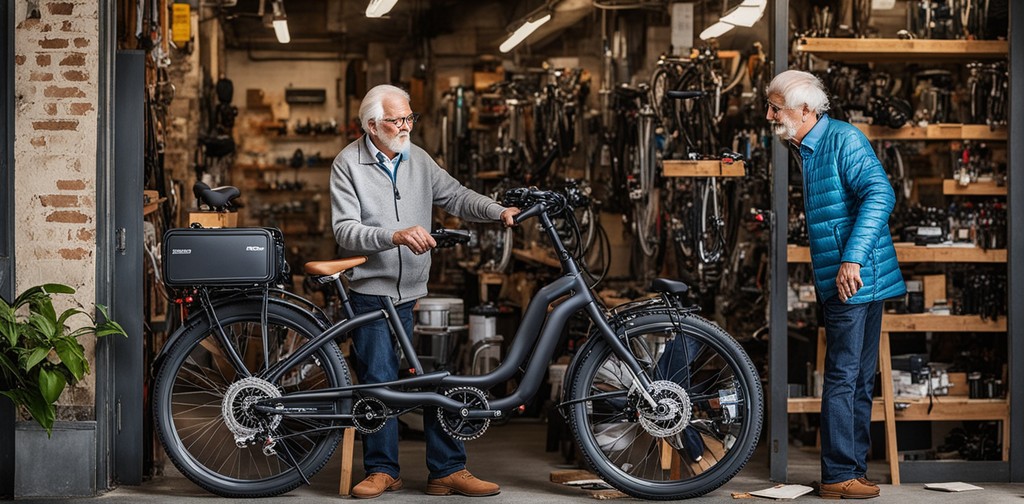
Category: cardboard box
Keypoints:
(934, 289)
(214, 219)
(958, 384)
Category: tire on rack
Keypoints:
(193, 379)
(725, 397)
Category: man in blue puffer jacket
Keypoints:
(847, 201)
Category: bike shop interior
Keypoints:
(576, 96)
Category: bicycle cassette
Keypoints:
(455, 424)
(672, 413)
(369, 415)
(237, 409)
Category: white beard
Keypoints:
(784, 128)
(397, 143)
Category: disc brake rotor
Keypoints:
(672, 413)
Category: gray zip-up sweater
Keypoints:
(368, 206)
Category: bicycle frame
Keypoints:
(533, 347)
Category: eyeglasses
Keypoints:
(398, 122)
(773, 107)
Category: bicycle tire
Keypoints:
(613, 456)
(194, 354)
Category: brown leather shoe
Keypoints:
(849, 489)
(867, 482)
(461, 482)
(376, 484)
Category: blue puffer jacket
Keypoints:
(847, 201)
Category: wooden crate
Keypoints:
(214, 219)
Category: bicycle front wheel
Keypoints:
(708, 418)
(201, 402)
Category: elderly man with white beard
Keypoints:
(847, 202)
(383, 190)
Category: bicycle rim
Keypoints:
(190, 405)
(724, 397)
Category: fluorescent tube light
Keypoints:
(378, 8)
(524, 30)
(281, 23)
(716, 30)
(281, 30)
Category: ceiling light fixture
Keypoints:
(524, 30)
(281, 23)
(745, 14)
(378, 8)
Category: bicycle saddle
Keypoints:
(333, 267)
(220, 199)
(667, 286)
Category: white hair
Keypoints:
(372, 106)
(799, 88)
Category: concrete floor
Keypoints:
(513, 456)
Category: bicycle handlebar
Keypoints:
(446, 238)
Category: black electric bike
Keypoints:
(252, 393)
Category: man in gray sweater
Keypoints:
(383, 190)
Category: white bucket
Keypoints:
(439, 312)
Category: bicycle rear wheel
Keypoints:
(710, 416)
(200, 403)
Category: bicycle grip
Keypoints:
(533, 211)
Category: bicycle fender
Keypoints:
(200, 315)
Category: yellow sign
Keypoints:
(181, 23)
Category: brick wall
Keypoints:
(56, 69)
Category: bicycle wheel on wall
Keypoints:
(709, 416)
(199, 403)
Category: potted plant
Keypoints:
(39, 354)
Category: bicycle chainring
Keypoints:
(240, 417)
(455, 424)
(369, 415)
(672, 413)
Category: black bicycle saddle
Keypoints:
(665, 285)
(220, 199)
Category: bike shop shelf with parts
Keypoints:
(933, 100)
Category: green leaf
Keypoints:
(30, 358)
(72, 354)
(70, 312)
(47, 326)
(41, 410)
(51, 384)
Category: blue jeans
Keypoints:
(851, 356)
(376, 360)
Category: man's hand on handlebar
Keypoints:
(416, 238)
(508, 216)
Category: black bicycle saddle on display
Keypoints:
(220, 199)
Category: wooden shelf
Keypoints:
(933, 132)
(944, 408)
(278, 167)
(909, 253)
(303, 138)
(703, 168)
(845, 49)
(536, 255)
(951, 187)
(926, 322)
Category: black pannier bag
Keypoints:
(225, 257)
